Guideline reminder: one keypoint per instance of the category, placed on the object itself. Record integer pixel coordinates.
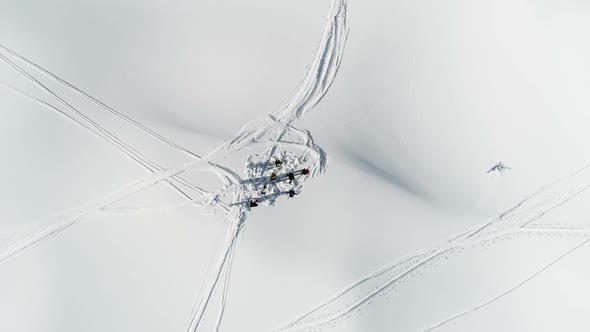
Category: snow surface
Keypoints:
(136, 133)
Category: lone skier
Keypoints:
(292, 193)
(278, 162)
(500, 167)
(253, 203)
(273, 176)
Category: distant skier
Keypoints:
(253, 203)
(305, 171)
(291, 177)
(273, 176)
(263, 192)
(292, 193)
(500, 167)
(278, 162)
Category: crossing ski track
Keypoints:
(270, 132)
(525, 217)
(310, 91)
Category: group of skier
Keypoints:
(275, 177)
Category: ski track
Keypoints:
(225, 289)
(95, 128)
(270, 131)
(306, 97)
(516, 220)
(507, 292)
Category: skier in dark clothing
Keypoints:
(263, 192)
(292, 193)
(291, 177)
(500, 167)
(305, 171)
(278, 162)
(273, 176)
(253, 203)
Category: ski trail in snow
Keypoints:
(305, 322)
(96, 101)
(218, 170)
(320, 74)
(448, 320)
(273, 131)
(270, 130)
(371, 276)
(129, 210)
(191, 201)
(39, 236)
(516, 220)
(134, 154)
(97, 129)
(45, 105)
(349, 288)
(227, 276)
(198, 314)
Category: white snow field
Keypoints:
(135, 134)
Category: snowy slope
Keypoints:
(137, 133)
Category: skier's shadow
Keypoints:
(262, 198)
(257, 181)
(261, 165)
(262, 180)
